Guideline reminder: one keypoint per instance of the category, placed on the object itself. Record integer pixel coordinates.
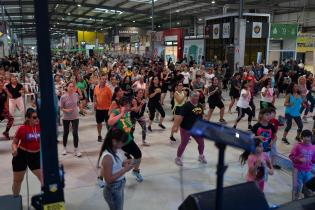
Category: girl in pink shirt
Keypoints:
(258, 164)
(303, 158)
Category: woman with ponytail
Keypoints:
(113, 168)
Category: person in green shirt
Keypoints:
(81, 85)
(120, 118)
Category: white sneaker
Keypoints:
(305, 119)
(202, 159)
(77, 153)
(178, 161)
(64, 152)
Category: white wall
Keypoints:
(306, 19)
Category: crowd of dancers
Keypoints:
(125, 90)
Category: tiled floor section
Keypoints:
(165, 185)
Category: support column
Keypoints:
(239, 38)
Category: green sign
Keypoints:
(283, 31)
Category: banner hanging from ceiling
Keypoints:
(226, 30)
(257, 30)
(216, 31)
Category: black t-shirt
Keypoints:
(15, 92)
(3, 99)
(216, 96)
(190, 114)
(267, 132)
(234, 83)
(156, 98)
(126, 87)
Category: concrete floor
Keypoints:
(165, 185)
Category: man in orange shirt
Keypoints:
(103, 100)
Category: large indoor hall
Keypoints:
(157, 105)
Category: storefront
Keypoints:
(305, 49)
(194, 48)
(129, 39)
(173, 42)
(240, 42)
(282, 42)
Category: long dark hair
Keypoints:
(244, 156)
(116, 90)
(113, 133)
(290, 89)
(152, 81)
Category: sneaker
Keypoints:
(138, 176)
(222, 121)
(234, 126)
(77, 153)
(305, 119)
(254, 119)
(100, 182)
(6, 135)
(149, 128)
(202, 159)
(178, 161)
(250, 127)
(81, 113)
(285, 140)
(297, 138)
(162, 126)
(277, 167)
(64, 152)
(172, 138)
(146, 144)
(99, 138)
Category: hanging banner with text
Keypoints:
(257, 30)
(283, 31)
(226, 30)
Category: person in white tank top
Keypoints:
(113, 169)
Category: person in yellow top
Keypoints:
(103, 100)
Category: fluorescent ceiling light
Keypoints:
(13, 7)
(109, 11)
(143, 1)
(79, 5)
(212, 2)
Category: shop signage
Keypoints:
(226, 30)
(216, 31)
(305, 42)
(257, 30)
(283, 31)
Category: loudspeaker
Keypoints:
(244, 196)
(8, 202)
(303, 204)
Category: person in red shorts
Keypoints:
(26, 150)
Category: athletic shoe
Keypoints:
(178, 161)
(297, 138)
(222, 121)
(146, 144)
(285, 140)
(250, 127)
(254, 119)
(162, 126)
(82, 113)
(234, 126)
(6, 135)
(138, 176)
(64, 152)
(172, 138)
(99, 138)
(77, 153)
(100, 182)
(305, 119)
(149, 128)
(202, 159)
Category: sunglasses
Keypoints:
(35, 117)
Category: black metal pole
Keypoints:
(52, 190)
(241, 9)
(220, 176)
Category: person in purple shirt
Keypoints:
(303, 158)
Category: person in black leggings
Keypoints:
(120, 118)
(155, 102)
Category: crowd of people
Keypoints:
(123, 90)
